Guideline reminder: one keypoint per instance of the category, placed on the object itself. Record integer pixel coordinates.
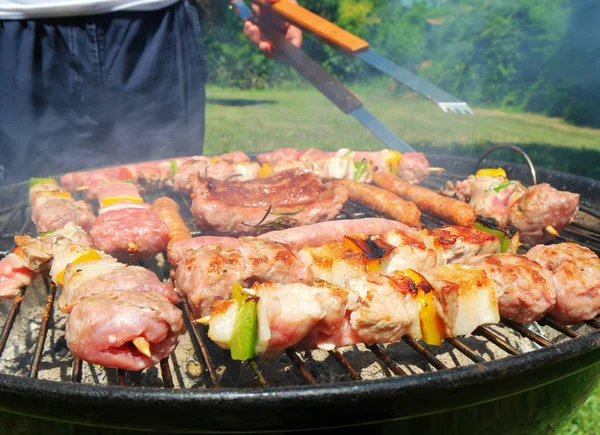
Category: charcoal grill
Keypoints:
(505, 378)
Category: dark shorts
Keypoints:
(85, 92)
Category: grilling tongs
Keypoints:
(334, 90)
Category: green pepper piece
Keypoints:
(45, 233)
(245, 328)
(361, 168)
(174, 166)
(33, 181)
(504, 238)
(500, 186)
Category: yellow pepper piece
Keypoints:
(109, 201)
(215, 159)
(59, 194)
(265, 171)
(492, 172)
(90, 255)
(432, 326)
(392, 160)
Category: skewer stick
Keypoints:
(436, 169)
(202, 320)
(551, 230)
(143, 346)
(83, 188)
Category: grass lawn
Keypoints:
(265, 120)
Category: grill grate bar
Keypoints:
(39, 348)
(165, 372)
(589, 210)
(527, 333)
(76, 371)
(465, 350)
(122, 377)
(299, 364)
(200, 346)
(490, 335)
(562, 238)
(258, 373)
(386, 359)
(10, 320)
(354, 375)
(560, 328)
(425, 353)
(594, 323)
(589, 235)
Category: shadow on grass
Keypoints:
(238, 102)
(582, 162)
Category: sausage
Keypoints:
(323, 232)
(449, 209)
(383, 201)
(168, 211)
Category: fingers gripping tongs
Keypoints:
(332, 88)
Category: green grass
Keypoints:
(587, 419)
(301, 118)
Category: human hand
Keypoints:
(254, 34)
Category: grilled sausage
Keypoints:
(168, 211)
(428, 201)
(384, 202)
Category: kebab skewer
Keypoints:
(539, 212)
(118, 315)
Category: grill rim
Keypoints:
(528, 370)
(583, 350)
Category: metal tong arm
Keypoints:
(329, 86)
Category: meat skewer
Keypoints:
(206, 274)
(118, 315)
(412, 167)
(376, 308)
(146, 175)
(52, 208)
(539, 212)
(127, 227)
(428, 201)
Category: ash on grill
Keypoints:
(34, 344)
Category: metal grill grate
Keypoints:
(207, 361)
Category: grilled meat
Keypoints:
(543, 206)
(323, 232)
(91, 277)
(126, 227)
(428, 201)
(52, 208)
(576, 276)
(14, 274)
(103, 329)
(384, 202)
(524, 288)
(219, 170)
(208, 273)
(531, 210)
(374, 308)
(246, 208)
(333, 168)
(412, 167)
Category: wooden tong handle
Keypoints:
(313, 23)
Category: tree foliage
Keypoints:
(525, 55)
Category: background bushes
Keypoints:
(540, 56)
